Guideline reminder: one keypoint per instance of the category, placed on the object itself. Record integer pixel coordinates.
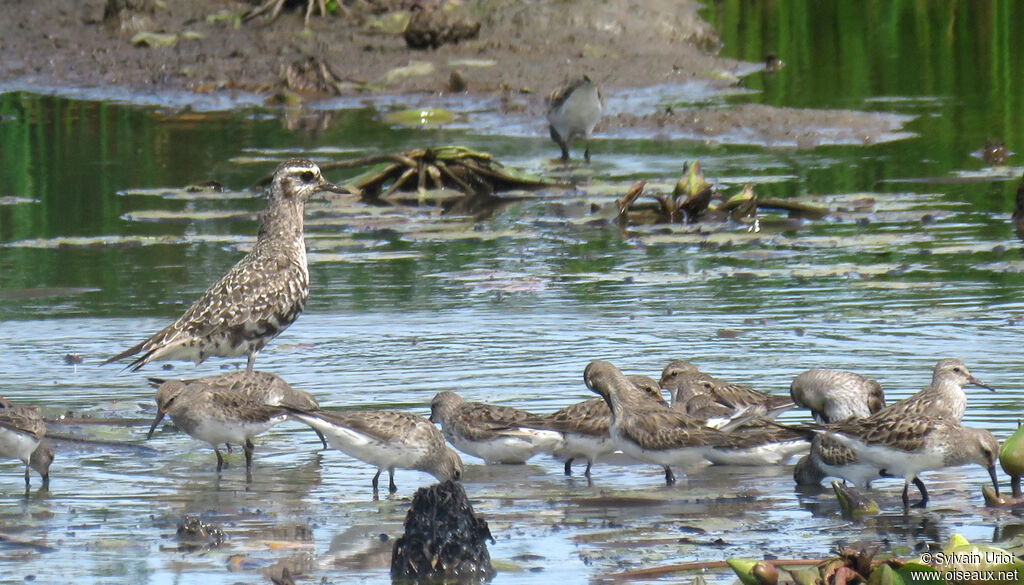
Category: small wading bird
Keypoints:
(22, 433)
(573, 111)
(259, 296)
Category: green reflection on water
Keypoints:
(956, 66)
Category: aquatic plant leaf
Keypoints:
(148, 215)
(419, 117)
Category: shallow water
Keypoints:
(922, 264)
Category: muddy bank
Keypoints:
(203, 55)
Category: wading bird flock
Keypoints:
(855, 436)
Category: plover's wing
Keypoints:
(261, 291)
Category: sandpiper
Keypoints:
(22, 434)
(943, 398)
(683, 380)
(662, 435)
(215, 415)
(256, 387)
(259, 296)
(584, 426)
(494, 433)
(904, 446)
(388, 439)
(573, 111)
(836, 395)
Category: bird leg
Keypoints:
(323, 439)
(586, 153)
(248, 448)
(374, 482)
(250, 362)
(587, 472)
(670, 478)
(392, 488)
(1015, 486)
(924, 493)
(28, 478)
(568, 466)
(220, 460)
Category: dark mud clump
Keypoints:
(443, 541)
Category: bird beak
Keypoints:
(978, 382)
(156, 421)
(995, 480)
(332, 188)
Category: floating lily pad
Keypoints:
(419, 117)
(147, 215)
(187, 193)
(94, 241)
(465, 235)
(360, 257)
(413, 69)
(11, 200)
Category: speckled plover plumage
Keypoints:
(259, 296)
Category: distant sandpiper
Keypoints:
(662, 435)
(943, 398)
(494, 433)
(836, 395)
(258, 388)
(259, 296)
(207, 411)
(387, 439)
(573, 112)
(679, 378)
(907, 445)
(22, 436)
(584, 426)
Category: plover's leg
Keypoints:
(248, 448)
(250, 362)
(586, 153)
(374, 482)
(1015, 486)
(670, 478)
(46, 482)
(391, 480)
(568, 466)
(587, 472)
(220, 459)
(28, 478)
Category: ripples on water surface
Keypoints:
(922, 265)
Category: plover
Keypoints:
(683, 379)
(259, 296)
(836, 395)
(662, 435)
(387, 439)
(215, 415)
(907, 445)
(584, 426)
(258, 388)
(494, 433)
(573, 111)
(22, 436)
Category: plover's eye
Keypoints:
(457, 475)
(308, 176)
